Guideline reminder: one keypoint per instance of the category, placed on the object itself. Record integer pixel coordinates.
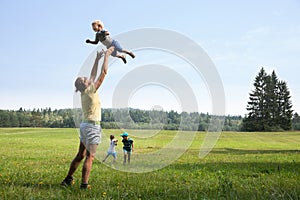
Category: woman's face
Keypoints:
(82, 83)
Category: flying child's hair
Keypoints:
(99, 23)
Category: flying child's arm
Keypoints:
(92, 42)
(96, 41)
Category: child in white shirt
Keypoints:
(112, 148)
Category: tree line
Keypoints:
(37, 118)
(125, 118)
(114, 118)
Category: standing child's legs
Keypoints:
(105, 157)
(108, 154)
(125, 156)
(129, 154)
(115, 157)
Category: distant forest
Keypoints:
(125, 118)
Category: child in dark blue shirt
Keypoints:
(127, 146)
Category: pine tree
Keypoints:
(296, 122)
(256, 115)
(285, 113)
(270, 103)
(270, 108)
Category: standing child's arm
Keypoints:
(132, 146)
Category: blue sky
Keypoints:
(42, 47)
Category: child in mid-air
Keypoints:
(104, 37)
(112, 148)
(127, 146)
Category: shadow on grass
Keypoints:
(240, 169)
(250, 151)
(240, 164)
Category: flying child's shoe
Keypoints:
(123, 57)
(131, 54)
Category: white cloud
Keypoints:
(257, 33)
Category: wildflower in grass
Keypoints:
(40, 183)
(103, 194)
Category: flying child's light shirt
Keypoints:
(106, 40)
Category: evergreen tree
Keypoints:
(270, 103)
(296, 122)
(269, 106)
(256, 106)
(285, 113)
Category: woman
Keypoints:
(90, 130)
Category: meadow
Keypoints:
(241, 166)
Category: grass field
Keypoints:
(241, 166)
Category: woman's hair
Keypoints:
(99, 23)
(78, 85)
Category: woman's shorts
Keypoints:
(90, 133)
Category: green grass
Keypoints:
(241, 166)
